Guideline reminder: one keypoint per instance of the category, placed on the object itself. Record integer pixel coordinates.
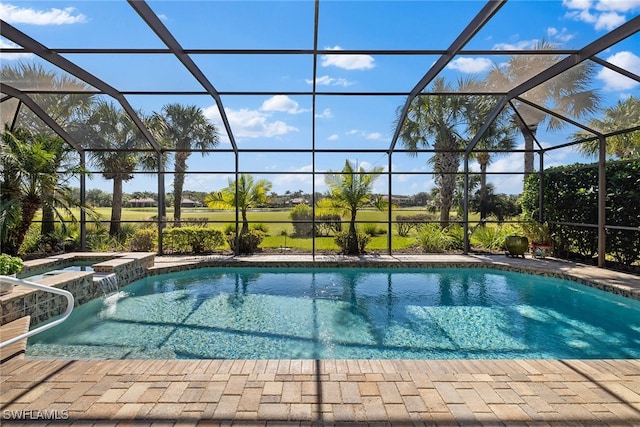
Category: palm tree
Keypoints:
(498, 137)
(624, 115)
(116, 136)
(186, 129)
(568, 93)
(64, 108)
(250, 194)
(435, 120)
(349, 191)
(29, 172)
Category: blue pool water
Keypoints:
(346, 313)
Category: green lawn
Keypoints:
(277, 223)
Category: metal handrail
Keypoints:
(68, 295)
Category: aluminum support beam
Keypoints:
(484, 16)
(152, 20)
(42, 115)
(54, 58)
(602, 201)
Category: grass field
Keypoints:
(277, 223)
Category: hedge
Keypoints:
(192, 239)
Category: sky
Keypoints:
(280, 119)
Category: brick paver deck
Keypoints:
(308, 392)
(313, 392)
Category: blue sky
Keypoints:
(285, 121)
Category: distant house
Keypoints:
(298, 200)
(188, 203)
(145, 202)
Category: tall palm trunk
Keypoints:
(30, 205)
(528, 135)
(48, 218)
(245, 222)
(352, 244)
(116, 206)
(483, 160)
(178, 184)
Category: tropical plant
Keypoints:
(624, 115)
(435, 120)
(499, 137)
(68, 102)
(10, 264)
(185, 129)
(568, 92)
(244, 194)
(433, 239)
(28, 174)
(349, 191)
(116, 138)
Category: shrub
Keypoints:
(432, 238)
(143, 240)
(373, 229)
(261, 227)
(10, 264)
(489, 237)
(343, 240)
(301, 219)
(405, 223)
(328, 224)
(248, 241)
(191, 239)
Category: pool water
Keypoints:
(347, 313)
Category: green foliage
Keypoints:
(405, 223)
(328, 224)
(571, 195)
(344, 241)
(301, 219)
(490, 237)
(248, 241)
(143, 240)
(191, 239)
(261, 227)
(431, 238)
(373, 229)
(10, 264)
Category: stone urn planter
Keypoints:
(516, 245)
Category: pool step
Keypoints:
(10, 330)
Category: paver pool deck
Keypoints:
(330, 392)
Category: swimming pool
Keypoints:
(347, 313)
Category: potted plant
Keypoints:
(540, 237)
(9, 266)
(516, 245)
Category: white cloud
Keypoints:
(470, 65)
(615, 81)
(326, 114)
(281, 103)
(603, 14)
(333, 137)
(4, 43)
(618, 5)
(609, 20)
(562, 35)
(330, 81)
(347, 62)
(21, 15)
(377, 136)
(247, 123)
(521, 45)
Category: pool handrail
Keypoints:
(70, 302)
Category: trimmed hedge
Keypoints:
(192, 239)
(571, 195)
